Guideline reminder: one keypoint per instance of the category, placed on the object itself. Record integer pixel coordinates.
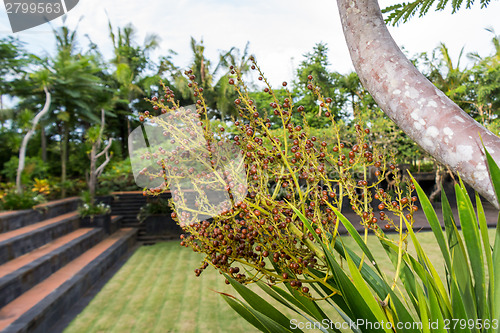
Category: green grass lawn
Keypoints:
(156, 291)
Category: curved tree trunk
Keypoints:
(95, 170)
(27, 137)
(421, 110)
(64, 157)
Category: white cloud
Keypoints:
(277, 30)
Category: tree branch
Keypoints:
(27, 137)
(108, 158)
(421, 110)
(105, 149)
(101, 130)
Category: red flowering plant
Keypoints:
(266, 206)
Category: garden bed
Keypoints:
(11, 220)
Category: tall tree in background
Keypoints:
(27, 137)
(131, 80)
(485, 82)
(201, 66)
(232, 62)
(450, 78)
(13, 66)
(13, 62)
(316, 63)
(354, 94)
(74, 85)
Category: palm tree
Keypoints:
(446, 76)
(130, 61)
(201, 65)
(74, 84)
(13, 62)
(316, 63)
(232, 61)
(486, 79)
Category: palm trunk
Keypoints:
(96, 171)
(43, 139)
(93, 176)
(421, 110)
(438, 186)
(202, 70)
(64, 157)
(124, 139)
(27, 137)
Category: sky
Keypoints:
(280, 32)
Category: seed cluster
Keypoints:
(256, 234)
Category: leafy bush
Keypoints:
(90, 207)
(11, 200)
(41, 186)
(34, 168)
(117, 177)
(158, 206)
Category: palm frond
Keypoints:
(403, 12)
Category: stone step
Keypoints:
(11, 220)
(122, 202)
(126, 221)
(17, 242)
(118, 200)
(138, 227)
(39, 308)
(129, 216)
(127, 203)
(127, 210)
(129, 222)
(22, 273)
(128, 207)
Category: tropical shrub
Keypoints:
(159, 206)
(90, 207)
(11, 200)
(117, 177)
(34, 168)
